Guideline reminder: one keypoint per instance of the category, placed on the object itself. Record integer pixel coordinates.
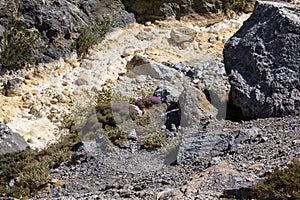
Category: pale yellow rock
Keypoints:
(39, 131)
(9, 107)
(256, 166)
(183, 34)
(66, 92)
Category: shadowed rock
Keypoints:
(196, 110)
(263, 62)
(161, 9)
(10, 141)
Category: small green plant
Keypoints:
(104, 96)
(143, 93)
(19, 44)
(282, 184)
(153, 142)
(116, 135)
(143, 121)
(91, 35)
(236, 5)
(68, 122)
(16, 192)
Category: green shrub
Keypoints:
(116, 135)
(143, 121)
(105, 115)
(103, 108)
(33, 167)
(35, 176)
(91, 35)
(104, 96)
(19, 43)
(16, 192)
(11, 164)
(282, 184)
(236, 5)
(154, 142)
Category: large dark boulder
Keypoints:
(60, 21)
(263, 62)
(11, 141)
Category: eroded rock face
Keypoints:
(13, 87)
(59, 22)
(10, 141)
(160, 9)
(195, 108)
(263, 62)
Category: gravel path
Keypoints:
(121, 174)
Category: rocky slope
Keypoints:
(183, 59)
(255, 149)
(47, 92)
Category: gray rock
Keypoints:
(247, 135)
(212, 40)
(204, 46)
(170, 96)
(167, 94)
(10, 141)
(181, 67)
(134, 111)
(197, 149)
(13, 87)
(183, 34)
(195, 108)
(143, 66)
(170, 193)
(60, 21)
(141, 79)
(263, 62)
(83, 79)
(131, 135)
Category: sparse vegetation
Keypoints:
(105, 116)
(116, 135)
(91, 35)
(19, 43)
(143, 120)
(143, 93)
(282, 184)
(154, 142)
(147, 102)
(29, 170)
(237, 5)
(108, 120)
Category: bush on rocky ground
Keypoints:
(153, 142)
(111, 106)
(90, 36)
(147, 102)
(19, 43)
(281, 184)
(24, 173)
